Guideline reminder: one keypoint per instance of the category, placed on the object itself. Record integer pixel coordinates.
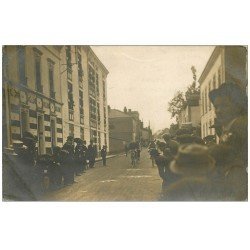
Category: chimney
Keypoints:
(125, 110)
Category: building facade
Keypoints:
(54, 92)
(190, 114)
(125, 127)
(226, 64)
(32, 95)
(122, 130)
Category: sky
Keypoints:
(146, 78)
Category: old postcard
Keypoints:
(124, 123)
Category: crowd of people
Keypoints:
(193, 169)
(35, 174)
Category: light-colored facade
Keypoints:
(84, 90)
(32, 95)
(226, 64)
(190, 115)
(54, 92)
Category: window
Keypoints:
(94, 135)
(70, 96)
(219, 77)
(99, 140)
(205, 100)
(91, 80)
(82, 133)
(203, 104)
(104, 90)
(51, 78)
(209, 89)
(92, 103)
(214, 82)
(71, 130)
(81, 107)
(21, 64)
(68, 62)
(98, 113)
(70, 101)
(97, 84)
(80, 71)
(38, 72)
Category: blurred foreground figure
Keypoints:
(194, 166)
(230, 102)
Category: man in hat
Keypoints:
(78, 156)
(56, 168)
(104, 154)
(92, 153)
(69, 161)
(230, 103)
(171, 144)
(193, 164)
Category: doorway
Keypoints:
(53, 133)
(40, 132)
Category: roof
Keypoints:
(99, 61)
(210, 62)
(115, 113)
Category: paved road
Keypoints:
(116, 182)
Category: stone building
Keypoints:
(226, 64)
(54, 92)
(84, 94)
(32, 99)
(125, 127)
(190, 114)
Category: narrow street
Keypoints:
(118, 181)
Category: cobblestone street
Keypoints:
(116, 182)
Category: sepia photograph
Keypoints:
(124, 123)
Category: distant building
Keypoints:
(226, 64)
(190, 114)
(124, 127)
(122, 130)
(146, 136)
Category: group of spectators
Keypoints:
(30, 174)
(193, 169)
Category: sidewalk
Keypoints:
(109, 156)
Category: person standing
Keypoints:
(78, 156)
(104, 155)
(69, 161)
(92, 152)
(84, 160)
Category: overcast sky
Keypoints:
(145, 78)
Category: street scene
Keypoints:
(124, 123)
(118, 181)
